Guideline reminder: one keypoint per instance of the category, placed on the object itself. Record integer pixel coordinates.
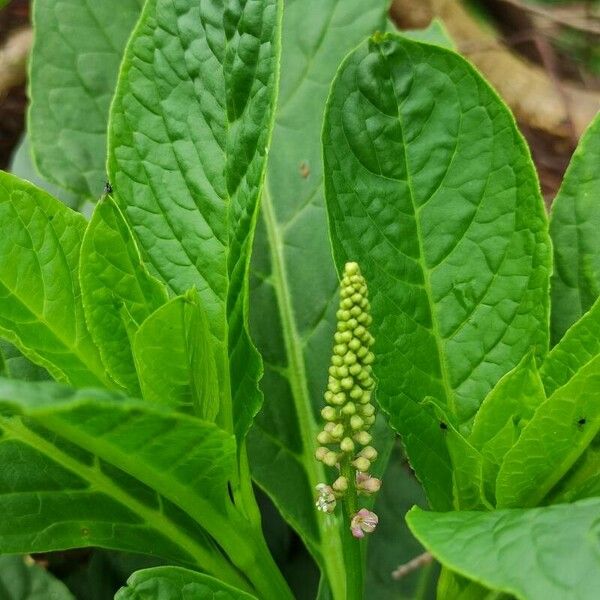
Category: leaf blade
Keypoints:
(471, 303)
(531, 553)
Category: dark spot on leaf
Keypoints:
(582, 422)
(108, 188)
(443, 426)
(230, 491)
(304, 170)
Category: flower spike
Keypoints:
(344, 442)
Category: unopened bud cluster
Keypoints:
(349, 412)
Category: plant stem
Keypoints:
(353, 550)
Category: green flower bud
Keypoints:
(321, 452)
(363, 438)
(366, 410)
(331, 459)
(362, 464)
(340, 484)
(347, 445)
(369, 453)
(329, 413)
(349, 409)
(356, 422)
(338, 431)
(324, 438)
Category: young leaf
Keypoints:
(175, 360)
(93, 468)
(505, 411)
(20, 580)
(431, 188)
(575, 230)
(550, 444)
(173, 583)
(75, 59)
(40, 299)
(534, 554)
(113, 277)
(294, 287)
(189, 129)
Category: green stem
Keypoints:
(353, 549)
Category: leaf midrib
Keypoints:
(154, 519)
(451, 403)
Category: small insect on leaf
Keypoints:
(107, 188)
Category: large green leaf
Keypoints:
(114, 279)
(534, 554)
(40, 299)
(172, 583)
(575, 230)
(20, 580)
(174, 358)
(94, 468)
(431, 189)
(75, 59)
(294, 287)
(189, 131)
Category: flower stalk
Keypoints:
(349, 414)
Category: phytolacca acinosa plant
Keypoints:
(349, 414)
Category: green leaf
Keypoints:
(22, 166)
(575, 230)
(294, 284)
(173, 583)
(174, 358)
(505, 411)
(40, 299)
(16, 366)
(550, 444)
(92, 468)
(21, 580)
(75, 60)
(534, 554)
(189, 130)
(431, 189)
(113, 277)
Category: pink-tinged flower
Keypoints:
(364, 521)
(367, 484)
(326, 501)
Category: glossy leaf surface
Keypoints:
(175, 360)
(534, 554)
(172, 583)
(40, 299)
(575, 230)
(113, 278)
(431, 189)
(190, 125)
(75, 60)
(94, 468)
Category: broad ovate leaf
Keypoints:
(173, 583)
(189, 130)
(113, 278)
(21, 579)
(40, 299)
(75, 60)
(431, 188)
(575, 230)
(533, 554)
(294, 283)
(174, 358)
(92, 468)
